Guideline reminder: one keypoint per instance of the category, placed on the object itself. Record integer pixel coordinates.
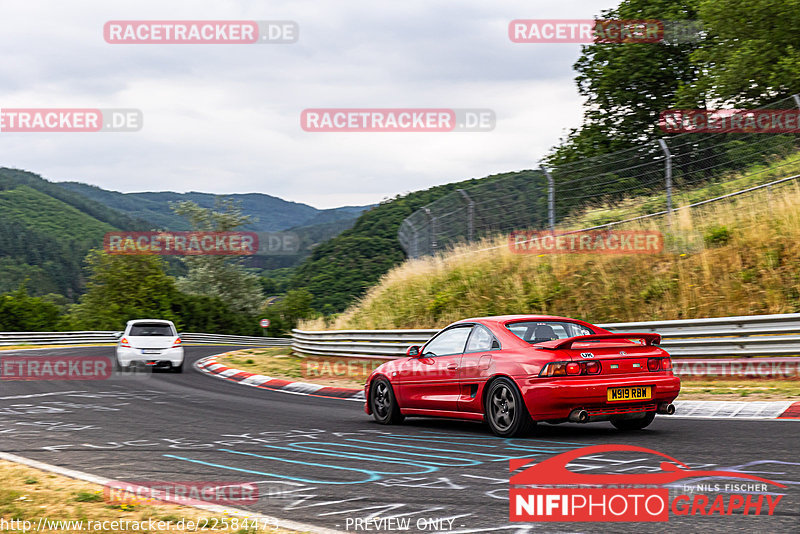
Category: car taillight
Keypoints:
(666, 364)
(124, 342)
(554, 369)
(593, 368)
(571, 369)
(654, 364)
(177, 343)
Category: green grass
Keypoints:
(85, 496)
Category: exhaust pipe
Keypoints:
(579, 416)
(666, 408)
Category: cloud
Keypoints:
(225, 118)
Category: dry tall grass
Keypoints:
(737, 257)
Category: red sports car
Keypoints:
(512, 371)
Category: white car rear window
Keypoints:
(151, 329)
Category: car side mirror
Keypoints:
(413, 351)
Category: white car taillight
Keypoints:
(176, 343)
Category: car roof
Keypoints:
(164, 321)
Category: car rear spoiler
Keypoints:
(557, 344)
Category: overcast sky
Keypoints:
(226, 118)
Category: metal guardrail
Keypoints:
(739, 337)
(193, 338)
(77, 338)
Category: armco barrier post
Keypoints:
(470, 215)
(667, 178)
(431, 229)
(551, 199)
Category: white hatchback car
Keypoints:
(153, 343)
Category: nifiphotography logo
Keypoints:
(548, 491)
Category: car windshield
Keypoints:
(151, 329)
(539, 331)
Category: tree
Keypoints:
(286, 313)
(121, 288)
(219, 276)
(19, 312)
(751, 55)
(627, 85)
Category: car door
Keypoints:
(430, 381)
(475, 365)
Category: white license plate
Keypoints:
(151, 351)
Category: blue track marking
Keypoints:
(303, 446)
(527, 445)
(508, 441)
(417, 455)
(495, 457)
(371, 476)
(428, 440)
(423, 469)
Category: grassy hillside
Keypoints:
(739, 257)
(340, 270)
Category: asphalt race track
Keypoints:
(325, 462)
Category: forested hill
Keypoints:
(46, 231)
(270, 213)
(47, 228)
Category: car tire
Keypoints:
(634, 424)
(505, 411)
(176, 368)
(383, 403)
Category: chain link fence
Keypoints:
(648, 180)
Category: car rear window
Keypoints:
(151, 329)
(539, 331)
